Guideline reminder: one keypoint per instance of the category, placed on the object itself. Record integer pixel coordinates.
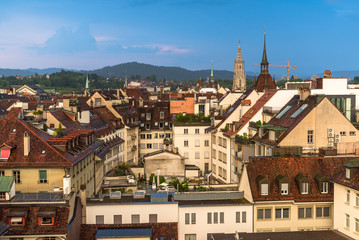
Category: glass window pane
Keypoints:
(326, 212)
(209, 218)
(260, 214)
(308, 212)
(300, 212)
(244, 217)
(268, 213)
(285, 212)
(278, 213)
(319, 212)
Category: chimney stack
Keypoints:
(304, 92)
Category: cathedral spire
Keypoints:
(239, 76)
(264, 63)
(212, 78)
(239, 53)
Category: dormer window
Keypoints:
(4, 154)
(17, 221)
(347, 173)
(284, 188)
(263, 184)
(324, 187)
(13, 131)
(43, 152)
(305, 188)
(264, 189)
(283, 184)
(322, 183)
(17, 217)
(303, 183)
(46, 216)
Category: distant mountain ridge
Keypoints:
(161, 72)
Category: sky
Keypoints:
(313, 35)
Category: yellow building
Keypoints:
(291, 194)
(40, 162)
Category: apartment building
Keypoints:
(193, 143)
(202, 214)
(291, 194)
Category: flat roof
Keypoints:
(129, 232)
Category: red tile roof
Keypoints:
(270, 168)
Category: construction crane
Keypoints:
(282, 66)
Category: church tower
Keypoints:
(264, 81)
(239, 76)
(212, 84)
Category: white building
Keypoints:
(201, 214)
(193, 142)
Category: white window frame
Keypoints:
(284, 188)
(325, 187)
(264, 186)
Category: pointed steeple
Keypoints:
(212, 78)
(264, 63)
(239, 53)
(126, 79)
(87, 82)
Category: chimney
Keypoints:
(327, 74)
(304, 92)
(175, 150)
(26, 144)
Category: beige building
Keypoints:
(309, 122)
(193, 143)
(291, 194)
(346, 200)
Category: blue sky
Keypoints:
(313, 35)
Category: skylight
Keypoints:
(283, 112)
(304, 106)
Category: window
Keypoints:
(185, 143)
(244, 217)
(185, 131)
(148, 116)
(162, 115)
(100, 219)
(304, 212)
(43, 176)
(168, 135)
(17, 221)
(161, 125)
(149, 136)
(343, 133)
(352, 133)
(310, 136)
(238, 217)
(2, 172)
(206, 154)
(347, 220)
(190, 237)
(206, 143)
(153, 218)
(5, 153)
(215, 217)
(193, 218)
(135, 218)
(356, 225)
(49, 238)
(296, 113)
(149, 145)
(196, 131)
(281, 213)
(143, 136)
(348, 196)
(117, 219)
(283, 112)
(209, 218)
(264, 189)
(224, 143)
(325, 187)
(284, 188)
(186, 155)
(197, 143)
(186, 221)
(322, 212)
(264, 213)
(347, 173)
(305, 187)
(221, 217)
(16, 174)
(2, 196)
(50, 220)
(197, 155)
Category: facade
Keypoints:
(193, 143)
(202, 214)
(346, 200)
(291, 194)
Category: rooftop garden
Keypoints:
(192, 118)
